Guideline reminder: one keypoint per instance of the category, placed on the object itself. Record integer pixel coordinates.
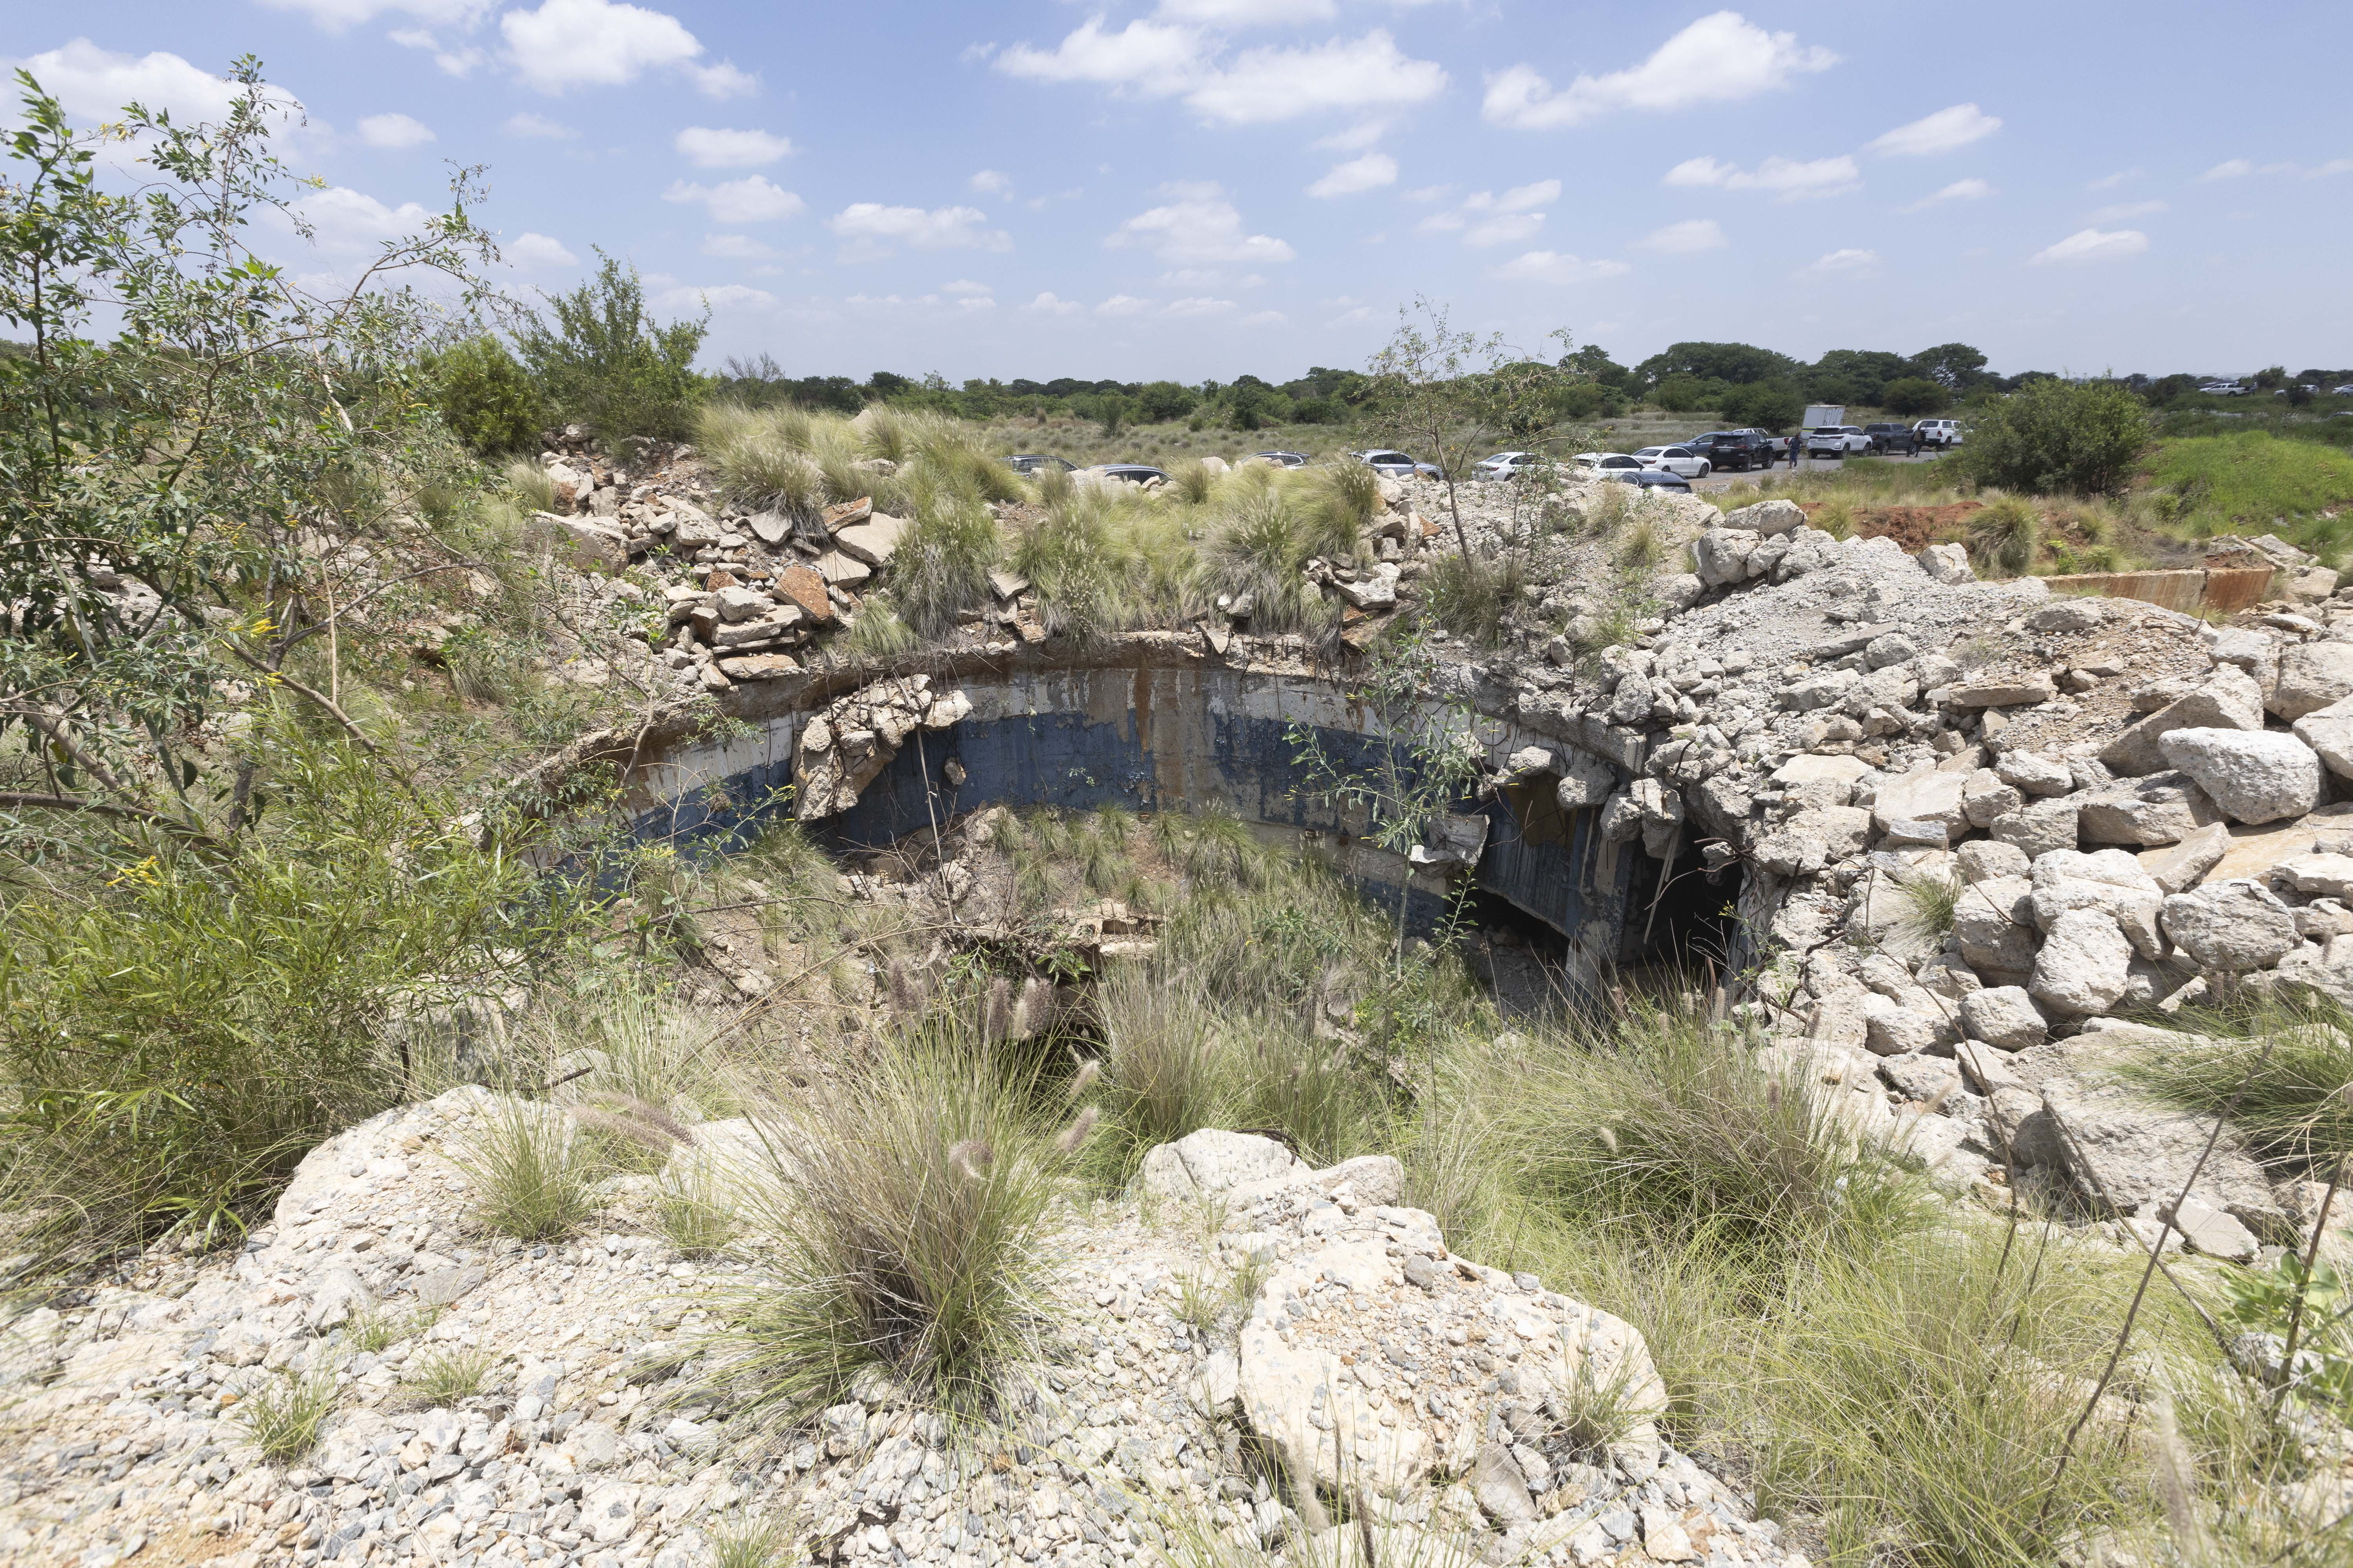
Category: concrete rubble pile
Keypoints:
(2128, 811)
(1454, 1409)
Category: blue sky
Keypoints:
(1195, 188)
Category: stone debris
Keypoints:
(842, 748)
(588, 1441)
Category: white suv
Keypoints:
(1836, 440)
(1939, 432)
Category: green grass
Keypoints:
(283, 1413)
(446, 1376)
(2283, 1070)
(2256, 483)
(532, 1174)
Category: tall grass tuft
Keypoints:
(2284, 1071)
(534, 490)
(2004, 535)
(1259, 550)
(530, 1172)
(1474, 598)
(283, 1413)
(942, 564)
(905, 1239)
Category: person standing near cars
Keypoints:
(1797, 445)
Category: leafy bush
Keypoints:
(1764, 406)
(601, 359)
(175, 1045)
(486, 397)
(1911, 395)
(2055, 436)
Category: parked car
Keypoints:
(2344, 391)
(1288, 460)
(1509, 465)
(1606, 462)
(1650, 480)
(1682, 460)
(1891, 438)
(1129, 473)
(1398, 465)
(2223, 389)
(1836, 440)
(1938, 433)
(1735, 452)
(1033, 463)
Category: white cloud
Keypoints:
(2123, 210)
(1265, 319)
(964, 288)
(1719, 58)
(459, 59)
(344, 221)
(1354, 139)
(567, 43)
(718, 296)
(942, 228)
(337, 14)
(1049, 304)
(539, 125)
(1555, 267)
(736, 248)
(1789, 178)
(1849, 261)
(1519, 198)
(532, 251)
(1947, 131)
(1152, 57)
(2094, 245)
(1504, 228)
(1249, 13)
(2230, 169)
(2110, 182)
(708, 149)
(1282, 83)
(975, 302)
(1198, 306)
(394, 130)
(1685, 238)
(1122, 305)
(2333, 166)
(1198, 225)
(94, 83)
(1969, 190)
(723, 82)
(989, 183)
(1367, 172)
(753, 199)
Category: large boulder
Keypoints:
(2252, 775)
(2040, 826)
(2109, 881)
(2311, 675)
(2230, 699)
(1211, 1163)
(1925, 795)
(2234, 926)
(2085, 964)
(1990, 923)
(2127, 1156)
(2329, 731)
(2004, 1016)
(2155, 809)
(1767, 517)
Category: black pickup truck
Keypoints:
(1891, 438)
(1735, 452)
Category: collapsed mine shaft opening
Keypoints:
(1147, 733)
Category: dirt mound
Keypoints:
(1912, 527)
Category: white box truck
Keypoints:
(1821, 414)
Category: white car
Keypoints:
(1940, 433)
(2344, 391)
(1676, 460)
(1836, 440)
(1509, 465)
(1606, 461)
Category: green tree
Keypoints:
(2055, 436)
(1689, 393)
(1912, 394)
(1957, 366)
(600, 358)
(1160, 400)
(486, 397)
(1736, 362)
(1854, 375)
(160, 485)
(1764, 406)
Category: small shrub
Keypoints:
(281, 1413)
(530, 1174)
(908, 1241)
(600, 358)
(486, 397)
(444, 1377)
(2004, 535)
(2057, 436)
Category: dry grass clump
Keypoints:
(1103, 563)
(2003, 536)
(907, 1238)
(530, 1172)
(283, 1412)
(1260, 548)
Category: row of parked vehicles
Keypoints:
(1653, 468)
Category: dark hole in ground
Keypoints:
(1679, 925)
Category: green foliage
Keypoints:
(2004, 534)
(443, 1377)
(1914, 395)
(1472, 598)
(530, 1172)
(175, 1043)
(486, 398)
(1736, 362)
(2251, 480)
(1259, 550)
(2284, 1073)
(2058, 437)
(1764, 406)
(601, 359)
(942, 565)
(2290, 1299)
(1689, 393)
(1159, 400)
(907, 1239)
(282, 1411)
